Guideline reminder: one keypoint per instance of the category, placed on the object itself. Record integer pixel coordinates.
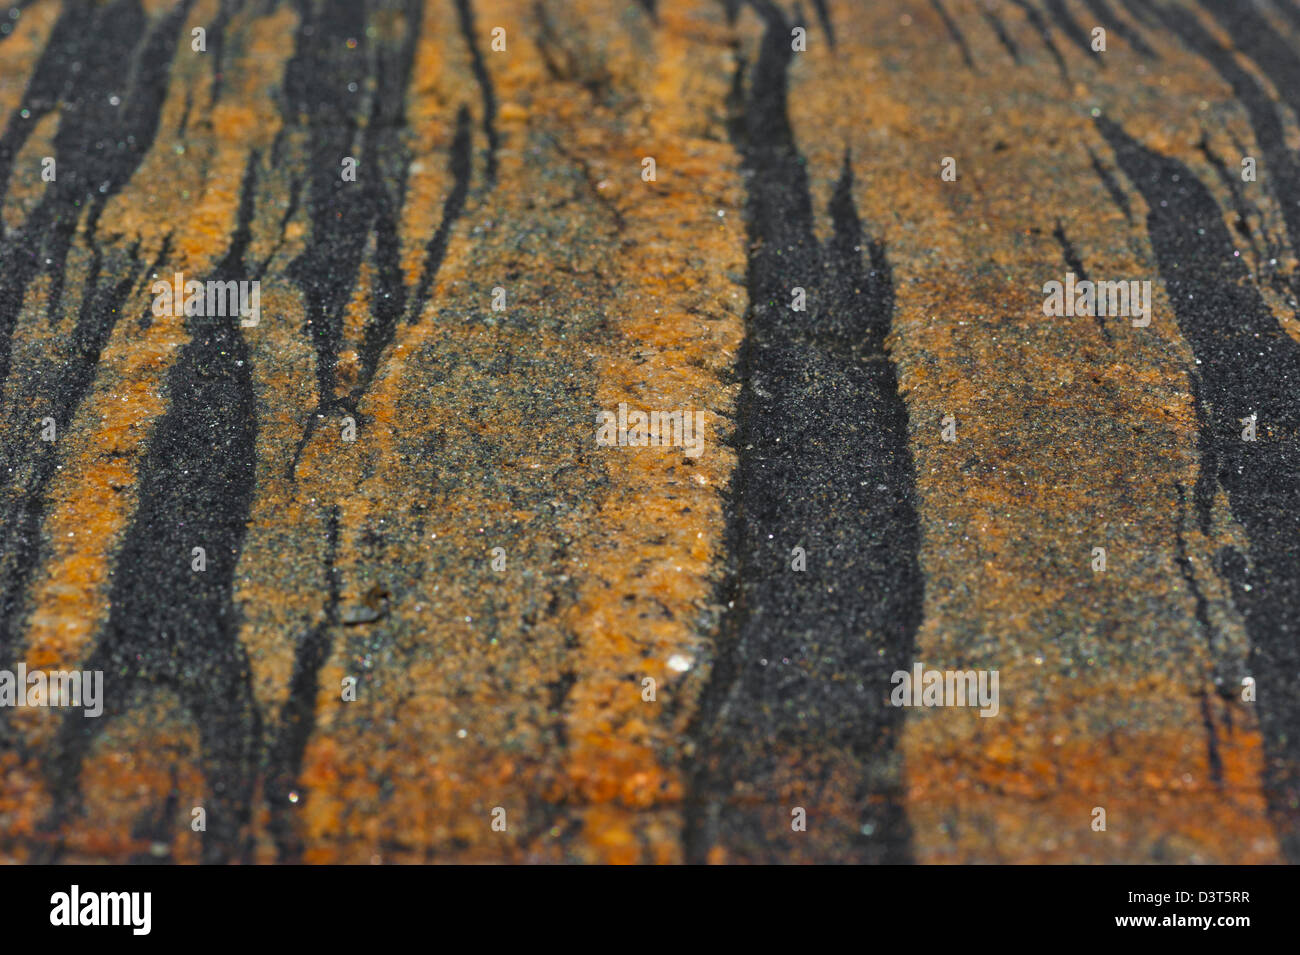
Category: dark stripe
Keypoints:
(171, 627)
(1073, 31)
(1068, 251)
(1112, 187)
(1003, 37)
(1075, 265)
(51, 80)
(1142, 11)
(1255, 36)
(344, 214)
(1247, 364)
(316, 92)
(97, 149)
(824, 15)
(1264, 247)
(1283, 172)
(1045, 34)
(465, 9)
(298, 713)
(955, 33)
(216, 44)
(805, 658)
(383, 149)
(1103, 11)
(1225, 668)
(436, 250)
(98, 145)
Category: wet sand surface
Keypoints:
(437, 620)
